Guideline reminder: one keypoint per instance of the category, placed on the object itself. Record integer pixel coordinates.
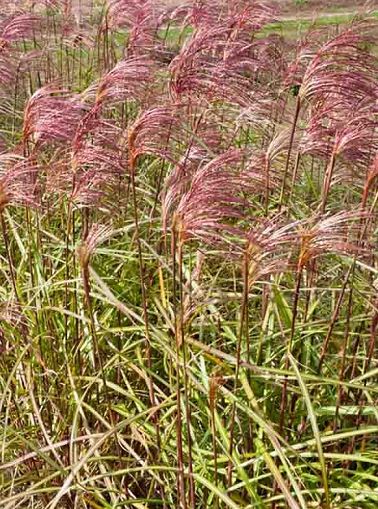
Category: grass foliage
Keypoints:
(188, 299)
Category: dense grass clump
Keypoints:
(188, 210)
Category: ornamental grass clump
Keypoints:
(188, 265)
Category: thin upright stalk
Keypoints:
(179, 436)
(213, 387)
(295, 173)
(291, 141)
(334, 319)
(267, 185)
(289, 347)
(327, 181)
(88, 302)
(142, 281)
(186, 382)
(243, 314)
(151, 390)
(340, 390)
(69, 225)
(8, 252)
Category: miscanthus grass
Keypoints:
(189, 284)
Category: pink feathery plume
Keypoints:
(178, 181)
(64, 7)
(204, 41)
(192, 65)
(271, 53)
(8, 69)
(108, 160)
(98, 159)
(269, 249)
(304, 51)
(142, 34)
(128, 80)
(348, 136)
(178, 14)
(124, 13)
(100, 149)
(18, 28)
(223, 82)
(249, 16)
(349, 140)
(278, 145)
(157, 131)
(91, 189)
(97, 234)
(330, 234)
(58, 173)
(59, 4)
(357, 141)
(52, 114)
(370, 179)
(218, 65)
(215, 196)
(239, 15)
(196, 13)
(317, 141)
(75, 37)
(267, 163)
(258, 65)
(141, 17)
(205, 141)
(341, 68)
(13, 29)
(17, 181)
(206, 13)
(261, 113)
(86, 184)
